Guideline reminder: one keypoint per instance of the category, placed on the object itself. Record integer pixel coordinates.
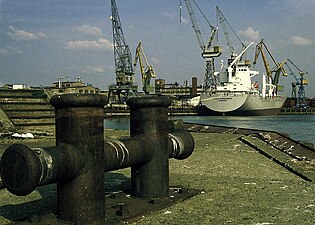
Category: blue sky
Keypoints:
(44, 40)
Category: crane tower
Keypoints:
(209, 52)
(301, 82)
(124, 71)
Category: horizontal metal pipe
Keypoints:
(23, 168)
(126, 152)
(181, 144)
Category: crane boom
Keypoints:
(208, 51)
(278, 69)
(223, 21)
(260, 50)
(225, 31)
(195, 25)
(260, 47)
(123, 61)
(300, 71)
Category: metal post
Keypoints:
(148, 116)
(79, 122)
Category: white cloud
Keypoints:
(10, 50)
(100, 44)
(250, 34)
(155, 61)
(97, 69)
(92, 31)
(299, 40)
(24, 35)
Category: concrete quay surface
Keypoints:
(237, 185)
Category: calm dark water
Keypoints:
(298, 127)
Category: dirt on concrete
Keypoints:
(237, 184)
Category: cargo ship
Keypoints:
(237, 94)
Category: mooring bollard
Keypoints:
(80, 123)
(78, 163)
(149, 117)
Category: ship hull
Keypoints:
(223, 102)
(204, 111)
(254, 105)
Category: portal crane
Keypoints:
(123, 61)
(146, 70)
(209, 52)
(279, 69)
(300, 99)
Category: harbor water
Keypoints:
(298, 127)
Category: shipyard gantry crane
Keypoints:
(209, 52)
(125, 85)
(278, 69)
(146, 70)
(301, 82)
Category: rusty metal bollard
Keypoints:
(76, 163)
(149, 117)
(79, 160)
(80, 123)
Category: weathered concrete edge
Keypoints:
(277, 156)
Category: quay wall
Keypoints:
(30, 110)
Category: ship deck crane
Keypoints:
(209, 52)
(279, 69)
(123, 62)
(146, 70)
(301, 82)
